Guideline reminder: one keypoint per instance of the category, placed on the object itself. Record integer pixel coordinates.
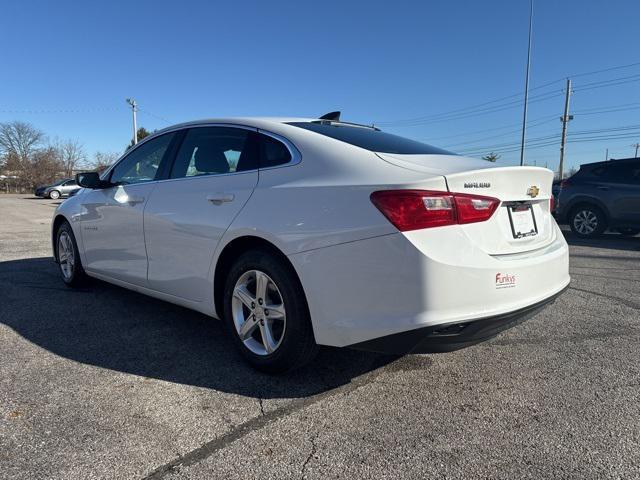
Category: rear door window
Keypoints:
(628, 173)
(215, 151)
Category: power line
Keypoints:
(484, 111)
(609, 83)
(478, 140)
(627, 129)
(465, 110)
(542, 144)
(146, 112)
(604, 70)
(462, 134)
(537, 122)
(608, 109)
(460, 110)
(38, 111)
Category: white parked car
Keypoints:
(307, 232)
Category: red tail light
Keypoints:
(552, 203)
(416, 209)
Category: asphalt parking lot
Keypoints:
(107, 383)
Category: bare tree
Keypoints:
(102, 160)
(72, 155)
(19, 144)
(19, 140)
(45, 165)
(491, 157)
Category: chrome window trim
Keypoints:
(296, 156)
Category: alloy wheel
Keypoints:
(258, 311)
(66, 255)
(585, 222)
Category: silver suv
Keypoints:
(62, 188)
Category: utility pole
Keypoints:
(606, 154)
(134, 109)
(526, 86)
(636, 145)
(565, 120)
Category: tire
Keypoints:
(54, 194)
(587, 221)
(288, 323)
(68, 257)
(628, 232)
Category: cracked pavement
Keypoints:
(107, 383)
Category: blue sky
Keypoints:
(68, 67)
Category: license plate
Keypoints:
(523, 222)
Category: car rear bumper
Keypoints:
(379, 287)
(448, 337)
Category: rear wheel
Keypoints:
(266, 312)
(628, 232)
(54, 194)
(68, 257)
(587, 221)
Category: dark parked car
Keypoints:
(602, 195)
(62, 188)
(555, 191)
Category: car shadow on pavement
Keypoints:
(114, 328)
(609, 240)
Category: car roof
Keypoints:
(610, 162)
(255, 122)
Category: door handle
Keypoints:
(134, 200)
(220, 198)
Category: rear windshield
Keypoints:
(371, 139)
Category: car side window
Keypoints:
(629, 174)
(143, 163)
(635, 174)
(273, 152)
(624, 173)
(215, 151)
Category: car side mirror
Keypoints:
(89, 180)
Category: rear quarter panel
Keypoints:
(324, 200)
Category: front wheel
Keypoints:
(266, 312)
(587, 221)
(68, 257)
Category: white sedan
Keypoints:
(306, 232)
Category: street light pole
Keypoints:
(526, 86)
(134, 109)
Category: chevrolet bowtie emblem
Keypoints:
(533, 191)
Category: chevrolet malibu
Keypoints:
(306, 232)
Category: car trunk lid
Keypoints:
(523, 221)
